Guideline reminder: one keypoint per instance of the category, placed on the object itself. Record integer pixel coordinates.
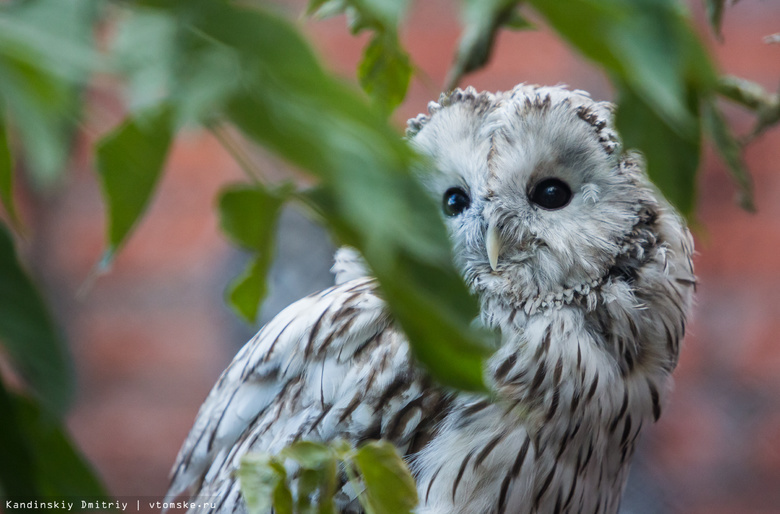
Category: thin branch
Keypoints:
(752, 96)
(744, 92)
(228, 141)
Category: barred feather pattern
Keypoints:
(590, 299)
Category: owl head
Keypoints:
(543, 205)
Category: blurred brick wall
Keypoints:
(151, 337)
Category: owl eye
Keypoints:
(551, 194)
(455, 201)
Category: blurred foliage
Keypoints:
(482, 21)
(37, 458)
(375, 473)
(752, 96)
(46, 57)
(715, 10)
(6, 170)
(129, 162)
(661, 72)
(385, 70)
(248, 216)
(730, 150)
(28, 334)
(245, 73)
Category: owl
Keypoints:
(582, 269)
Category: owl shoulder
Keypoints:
(313, 348)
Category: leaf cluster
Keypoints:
(305, 476)
(385, 69)
(666, 85)
(279, 96)
(46, 56)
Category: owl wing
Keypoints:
(330, 365)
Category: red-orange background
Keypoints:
(151, 337)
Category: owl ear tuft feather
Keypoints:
(478, 101)
(599, 115)
(414, 125)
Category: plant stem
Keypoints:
(227, 140)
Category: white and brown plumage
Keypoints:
(580, 266)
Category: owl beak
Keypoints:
(493, 245)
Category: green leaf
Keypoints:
(307, 484)
(730, 151)
(516, 21)
(282, 99)
(662, 73)
(260, 477)
(249, 34)
(318, 473)
(248, 215)
(162, 58)
(388, 12)
(385, 72)
(247, 290)
(17, 472)
(378, 15)
(130, 161)
(390, 488)
(314, 6)
(672, 160)
(416, 290)
(144, 52)
(41, 110)
(414, 287)
(482, 19)
(715, 10)
(308, 454)
(328, 131)
(648, 45)
(38, 460)
(6, 170)
(328, 484)
(283, 500)
(61, 470)
(46, 58)
(29, 335)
